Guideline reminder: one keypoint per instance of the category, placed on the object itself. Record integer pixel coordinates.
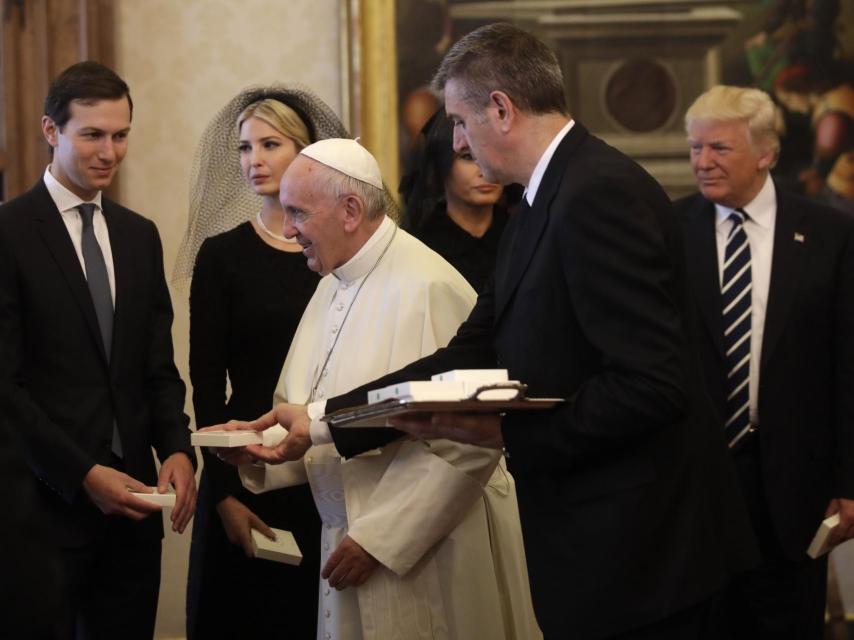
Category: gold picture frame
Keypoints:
(369, 80)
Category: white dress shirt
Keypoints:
(759, 227)
(67, 203)
(543, 163)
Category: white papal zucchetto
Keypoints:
(348, 157)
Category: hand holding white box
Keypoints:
(283, 549)
(821, 542)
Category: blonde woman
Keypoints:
(249, 288)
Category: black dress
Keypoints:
(473, 257)
(246, 301)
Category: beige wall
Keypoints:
(183, 60)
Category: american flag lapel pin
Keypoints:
(799, 237)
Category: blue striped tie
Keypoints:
(736, 297)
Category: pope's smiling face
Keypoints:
(313, 216)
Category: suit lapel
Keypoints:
(531, 223)
(55, 236)
(786, 266)
(703, 267)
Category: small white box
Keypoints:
(283, 549)
(419, 391)
(819, 545)
(479, 376)
(474, 379)
(162, 499)
(225, 439)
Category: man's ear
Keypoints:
(50, 131)
(767, 158)
(504, 109)
(354, 212)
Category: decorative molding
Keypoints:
(374, 84)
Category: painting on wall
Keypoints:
(632, 67)
(802, 56)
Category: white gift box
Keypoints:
(419, 391)
(820, 543)
(283, 549)
(225, 439)
(477, 376)
(162, 499)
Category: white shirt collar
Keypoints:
(65, 199)
(542, 165)
(760, 210)
(367, 256)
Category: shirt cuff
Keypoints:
(318, 430)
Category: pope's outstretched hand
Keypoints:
(293, 417)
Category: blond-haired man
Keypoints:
(772, 275)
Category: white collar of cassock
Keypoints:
(366, 257)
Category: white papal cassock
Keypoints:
(452, 562)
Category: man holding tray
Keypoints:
(630, 510)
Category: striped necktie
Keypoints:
(736, 298)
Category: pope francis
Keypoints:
(420, 539)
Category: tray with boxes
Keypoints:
(460, 390)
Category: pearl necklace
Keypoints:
(278, 237)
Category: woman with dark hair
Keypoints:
(249, 288)
(450, 207)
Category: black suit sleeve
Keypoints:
(54, 456)
(471, 348)
(165, 391)
(617, 260)
(209, 360)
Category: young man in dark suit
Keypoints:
(772, 278)
(629, 507)
(87, 381)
